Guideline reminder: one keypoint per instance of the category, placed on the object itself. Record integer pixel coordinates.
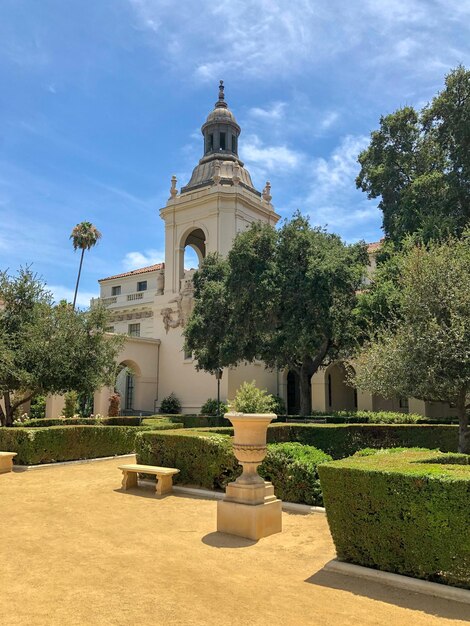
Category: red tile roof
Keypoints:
(141, 270)
(373, 247)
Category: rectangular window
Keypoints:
(211, 141)
(404, 404)
(142, 285)
(188, 355)
(222, 141)
(116, 291)
(234, 144)
(134, 330)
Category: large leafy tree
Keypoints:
(47, 348)
(284, 296)
(84, 236)
(421, 349)
(418, 164)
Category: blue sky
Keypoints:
(101, 102)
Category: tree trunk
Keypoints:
(78, 277)
(2, 416)
(464, 433)
(9, 411)
(305, 390)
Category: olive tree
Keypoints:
(423, 349)
(47, 348)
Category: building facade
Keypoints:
(152, 304)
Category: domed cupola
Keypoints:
(221, 130)
(220, 163)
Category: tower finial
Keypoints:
(221, 101)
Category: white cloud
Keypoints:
(339, 169)
(331, 198)
(329, 120)
(274, 112)
(272, 38)
(265, 157)
(135, 260)
(65, 293)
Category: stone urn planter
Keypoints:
(250, 509)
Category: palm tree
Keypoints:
(84, 237)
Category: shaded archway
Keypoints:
(293, 393)
(340, 394)
(192, 251)
(127, 382)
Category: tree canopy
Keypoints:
(421, 349)
(47, 348)
(286, 297)
(418, 163)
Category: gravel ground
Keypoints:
(76, 550)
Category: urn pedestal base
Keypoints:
(252, 521)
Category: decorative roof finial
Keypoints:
(221, 101)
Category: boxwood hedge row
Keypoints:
(342, 440)
(69, 443)
(402, 511)
(205, 459)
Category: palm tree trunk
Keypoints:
(78, 277)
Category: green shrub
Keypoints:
(402, 511)
(205, 459)
(121, 420)
(197, 421)
(292, 468)
(279, 406)
(210, 407)
(342, 440)
(38, 407)
(170, 405)
(48, 445)
(57, 421)
(250, 399)
(379, 417)
(71, 403)
(69, 443)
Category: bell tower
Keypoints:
(218, 201)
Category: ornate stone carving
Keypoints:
(160, 282)
(173, 190)
(236, 173)
(184, 306)
(216, 178)
(131, 316)
(267, 192)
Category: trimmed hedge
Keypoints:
(69, 443)
(292, 468)
(197, 421)
(342, 440)
(402, 511)
(206, 459)
(121, 420)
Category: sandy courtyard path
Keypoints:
(75, 550)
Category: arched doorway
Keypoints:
(293, 393)
(340, 395)
(127, 380)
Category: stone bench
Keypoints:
(164, 476)
(6, 461)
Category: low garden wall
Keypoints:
(69, 443)
(402, 511)
(205, 459)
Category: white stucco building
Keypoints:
(151, 305)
